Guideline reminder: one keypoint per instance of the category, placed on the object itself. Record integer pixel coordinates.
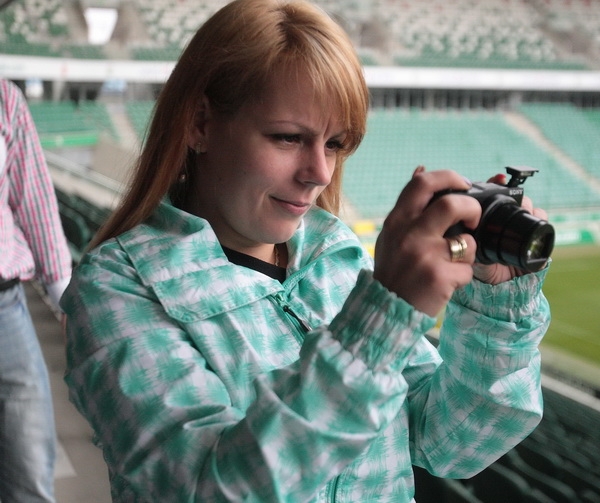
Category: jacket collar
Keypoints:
(178, 255)
(173, 242)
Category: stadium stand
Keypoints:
(579, 140)
(170, 24)
(475, 143)
(139, 115)
(462, 33)
(46, 28)
(81, 219)
(465, 33)
(67, 124)
(474, 34)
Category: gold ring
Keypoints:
(458, 248)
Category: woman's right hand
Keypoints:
(412, 257)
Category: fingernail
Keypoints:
(419, 170)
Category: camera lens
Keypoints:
(541, 245)
(509, 235)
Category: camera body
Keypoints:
(507, 234)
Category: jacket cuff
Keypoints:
(56, 289)
(377, 326)
(511, 301)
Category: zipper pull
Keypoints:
(305, 326)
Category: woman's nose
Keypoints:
(318, 166)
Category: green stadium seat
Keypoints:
(580, 479)
(536, 496)
(543, 460)
(93, 215)
(588, 496)
(427, 487)
(456, 492)
(78, 213)
(76, 231)
(547, 484)
(139, 113)
(499, 484)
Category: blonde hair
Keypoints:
(230, 60)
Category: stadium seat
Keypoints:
(64, 199)
(428, 489)
(431, 489)
(139, 113)
(580, 480)
(456, 492)
(558, 491)
(76, 231)
(499, 484)
(93, 215)
(542, 459)
(560, 445)
(536, 496)
(81, 220)
(588, 496)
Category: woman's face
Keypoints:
(265, 167)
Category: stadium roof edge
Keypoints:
(81, 70)
(481, 79)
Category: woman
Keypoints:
(228, 337)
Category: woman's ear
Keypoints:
(197, 135)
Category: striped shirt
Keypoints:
(211, 382)
(32, 242)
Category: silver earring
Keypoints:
(200, 148)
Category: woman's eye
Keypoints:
(287, 138)
(335, 145)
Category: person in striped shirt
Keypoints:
(230, 339)
(32, 244)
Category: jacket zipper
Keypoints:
(305, 327)
(303, 324)
(333, 490)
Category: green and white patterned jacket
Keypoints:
(207, 381)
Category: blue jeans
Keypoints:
(27, 433)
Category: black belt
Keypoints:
(8, 284)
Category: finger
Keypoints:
(449, 210)
(418, 170)
(417, 194)
(527, 205)
(540, 213)
(499, 179)
(461, 248)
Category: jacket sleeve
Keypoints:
(165, 421)
(485, 397)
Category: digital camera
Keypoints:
(507, 234)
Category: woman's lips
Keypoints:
(297, 208)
